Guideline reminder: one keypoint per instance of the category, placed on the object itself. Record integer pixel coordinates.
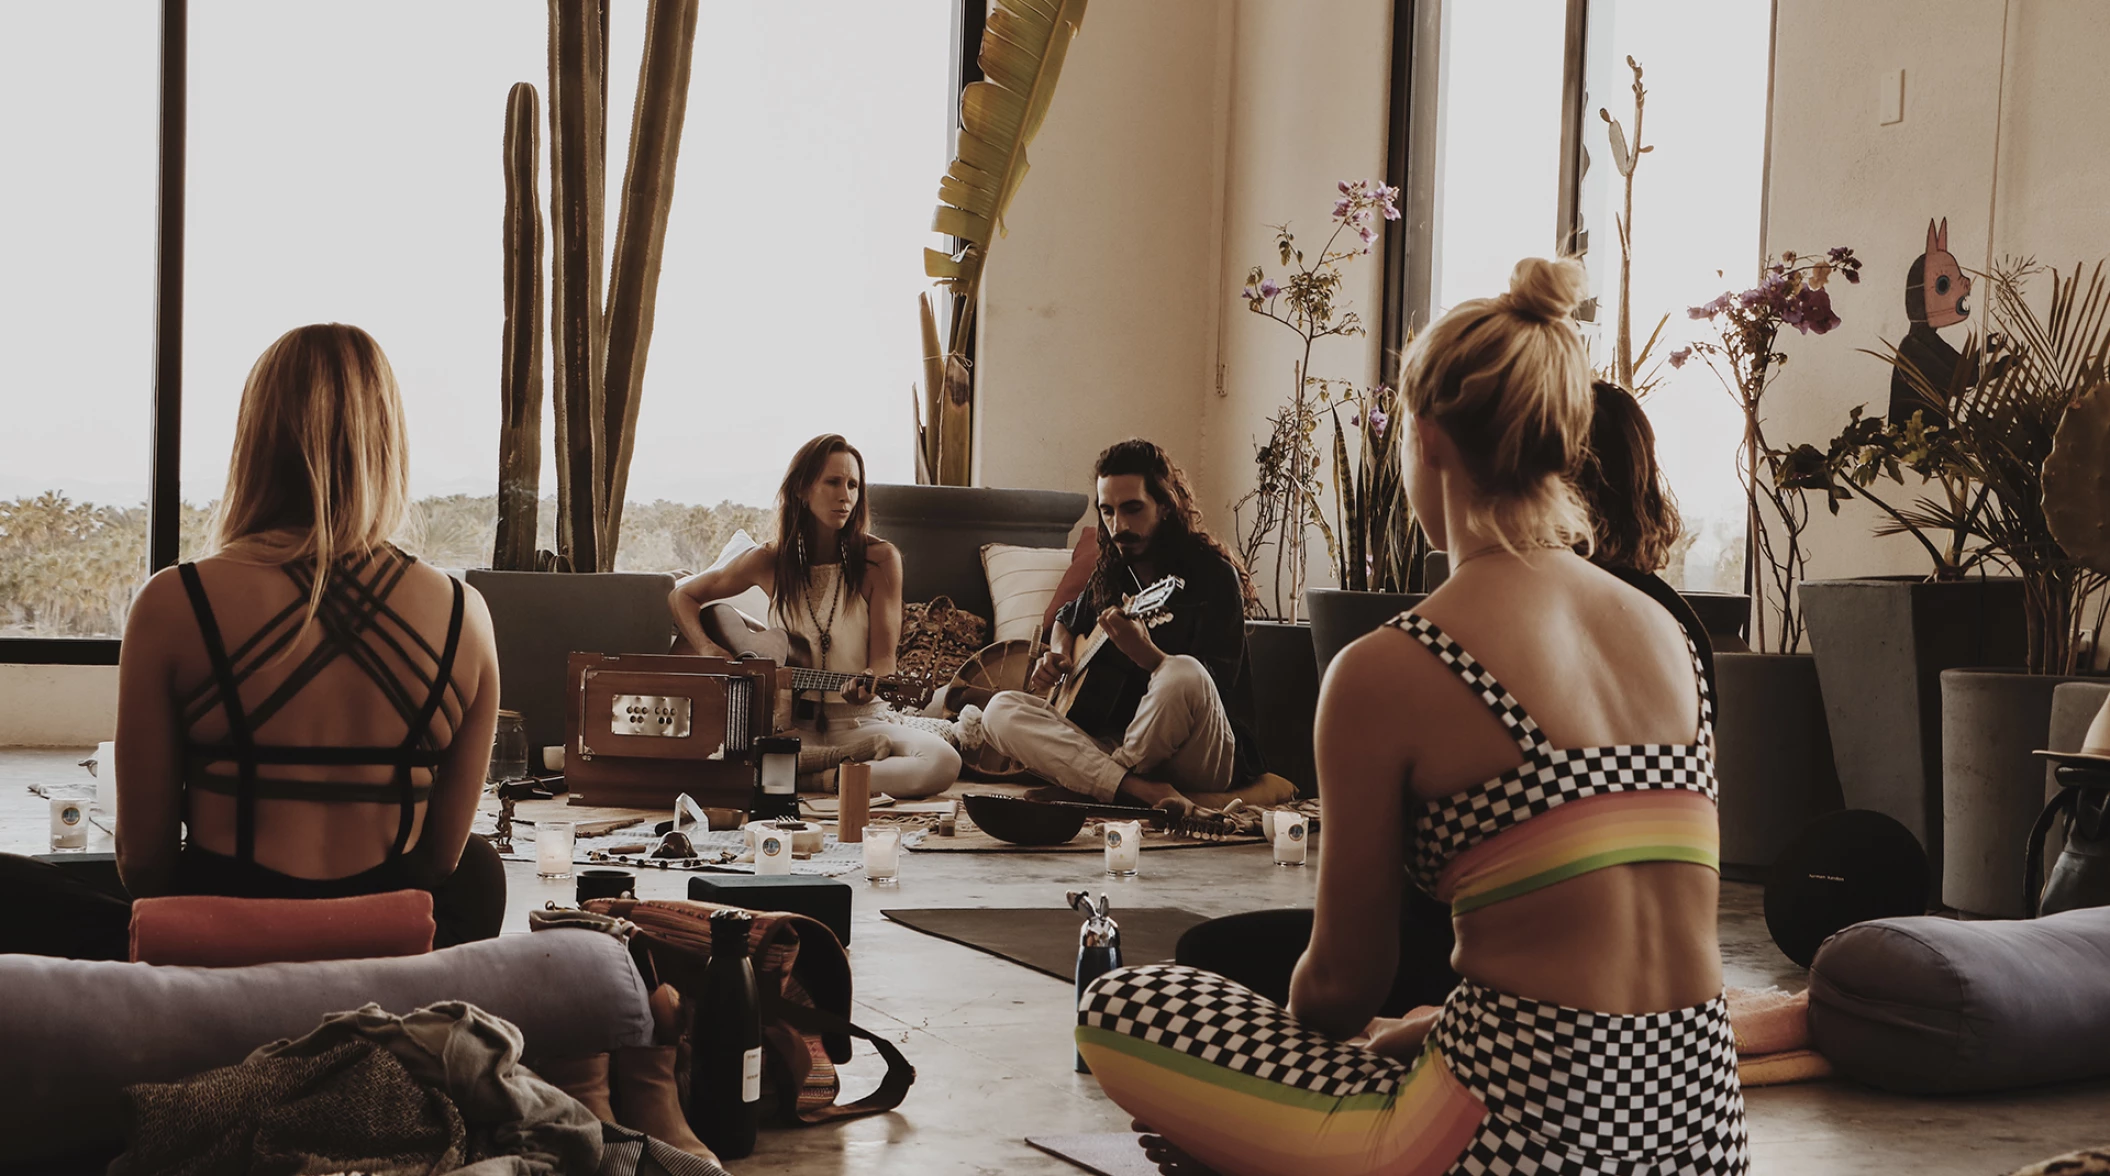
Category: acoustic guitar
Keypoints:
(743, 637)
(1088, 699)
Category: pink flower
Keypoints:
(1268, 288)
(1678, 357)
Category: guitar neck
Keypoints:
(805, 679)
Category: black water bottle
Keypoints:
(726, 1078)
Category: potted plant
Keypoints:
(1274, 519)
(546, 604)
(2007, 402)
(1376, 544)
(1774, 756)
(1883, 642)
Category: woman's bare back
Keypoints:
(365, 696)
(1595, 663)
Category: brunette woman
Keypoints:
(306, 712)
(838, 586)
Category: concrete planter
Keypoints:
(1772, 755)
(1992, 787)
(1285, 698)
(1881, 645)
(1340, 615)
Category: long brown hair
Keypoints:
(1180, 528)
(320, 469)
(1636, 519)
(795, 520)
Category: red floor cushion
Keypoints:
(210, 931)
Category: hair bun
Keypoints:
(1548, 291)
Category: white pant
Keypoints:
(1180, 736)
(918, 763)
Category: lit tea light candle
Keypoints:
(882, 850)
(553, 846)
(1124, 847)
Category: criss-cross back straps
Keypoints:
(1519, 723)
(237, 722)
(442, 677)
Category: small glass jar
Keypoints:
(509, 749)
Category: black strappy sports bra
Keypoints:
(352, 616)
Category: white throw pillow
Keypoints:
(754, 602)
(1022, 580)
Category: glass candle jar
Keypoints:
(553, 848)
(509, 749)
(882, 852)
(1124, 847)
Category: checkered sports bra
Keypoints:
(1563, 812)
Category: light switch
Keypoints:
(1890, 98)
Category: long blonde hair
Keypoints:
(1509, 380)
(320, 470)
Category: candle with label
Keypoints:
(1124, 847)
(772, 850)
(1289, 839)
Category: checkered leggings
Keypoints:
(1504, 1085)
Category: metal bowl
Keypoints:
(1020, 821)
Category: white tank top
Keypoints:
(848, 648)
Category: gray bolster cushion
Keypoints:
(74, 1033)
(1940, 1006)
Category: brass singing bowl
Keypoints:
(1022, 822)
(1003, 666)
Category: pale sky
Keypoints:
(345, 165)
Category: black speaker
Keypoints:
(1843, 868)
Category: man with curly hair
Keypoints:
(1150, 722)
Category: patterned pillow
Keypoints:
(1022, 581)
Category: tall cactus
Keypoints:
(520, 365)
(598, 368)
(641, 235)
(578, 335)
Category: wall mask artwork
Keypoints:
(1937, 295)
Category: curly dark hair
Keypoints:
(1634, 516)
(1180, 528)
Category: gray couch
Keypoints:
(74, 1033)
(540, 617)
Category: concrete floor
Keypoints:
(991, 1040)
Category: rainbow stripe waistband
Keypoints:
(1572, 839)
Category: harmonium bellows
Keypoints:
(643, 728)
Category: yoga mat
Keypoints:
(1045, 939)
(1116, 1154)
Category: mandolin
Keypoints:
(1087, 700)
(743, 637)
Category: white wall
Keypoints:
(1098, 319)
(1309, 99)
(57, 706)
(1180, 131)
(2002, 134)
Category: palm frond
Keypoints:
(1023, 48)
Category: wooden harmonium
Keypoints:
(643, 728)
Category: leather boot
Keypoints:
(645, 1096)
(585, 1079)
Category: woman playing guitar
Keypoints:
(837, 587)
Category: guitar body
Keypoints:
(1091, 700)
(744, 636)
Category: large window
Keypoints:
(1697, 208)
(1499, 143)
(345, 165)
(78, 83)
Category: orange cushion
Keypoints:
(1083, 558)
(212, 931)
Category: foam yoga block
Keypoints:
(1939, 1006)
(74, 1033)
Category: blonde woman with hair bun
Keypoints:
(306, 712)
(1555, 786)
